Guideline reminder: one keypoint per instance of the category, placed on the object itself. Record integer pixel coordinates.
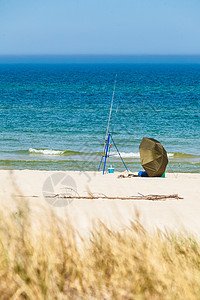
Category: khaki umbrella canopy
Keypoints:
(153, 157)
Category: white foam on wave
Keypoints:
(115, 154)
(46, 151)
(125, 154)
(133, 154)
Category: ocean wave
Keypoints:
(56, 152)
(137, 155)
(125, 154)
(184, 155)
(53, 152)
(133, 154)
(46, 151)
(170, 154)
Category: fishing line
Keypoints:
(111, 106)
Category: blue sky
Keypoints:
(99, 27)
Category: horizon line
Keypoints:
(100, 58)
(97, 54)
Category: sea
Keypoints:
(54, 116)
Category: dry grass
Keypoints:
(37, 263)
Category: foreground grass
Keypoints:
(37, 262)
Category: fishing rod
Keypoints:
(106, 140)
(109, 137)
(111, 106)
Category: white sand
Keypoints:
(171, 214)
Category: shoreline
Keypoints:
(93, 171)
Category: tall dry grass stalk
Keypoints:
(47, 262)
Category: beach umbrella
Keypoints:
(153, 157)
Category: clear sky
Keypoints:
(99, 27)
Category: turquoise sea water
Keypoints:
(54, 117)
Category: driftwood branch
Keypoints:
(73, 195)
(142, 197)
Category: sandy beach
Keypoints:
(181, 214)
